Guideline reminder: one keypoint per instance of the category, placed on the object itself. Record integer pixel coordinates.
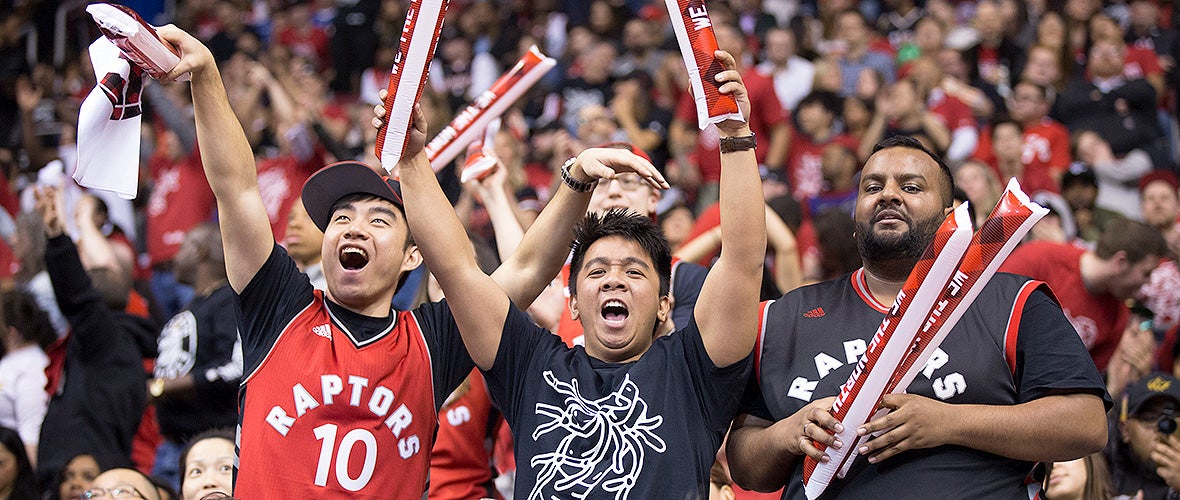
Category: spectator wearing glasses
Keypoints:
(1143, 439)
(122, 483)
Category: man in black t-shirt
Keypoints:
(628, 415)
(1009, 386)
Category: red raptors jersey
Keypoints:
(461, 460)
(325, 416)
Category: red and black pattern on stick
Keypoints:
(915, 297)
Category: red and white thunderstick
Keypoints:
(136, 39)
(481, 159)
(469, 125)
(694, 34)
(1011, 219)
(424, 20)
(891, 343)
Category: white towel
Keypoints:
(108, 124)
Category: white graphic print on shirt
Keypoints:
(603, 442)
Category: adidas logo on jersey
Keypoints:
(323, 330)
(814, 313)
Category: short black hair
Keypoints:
(826, 98)
(1004, 120)
(903, 141)
(628, 225)
(215, 433)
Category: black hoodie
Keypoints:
(97, 404)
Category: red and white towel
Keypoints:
(109, 119)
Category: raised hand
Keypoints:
(195, 58)
(606, 163)
(731, 83)
(45, 203)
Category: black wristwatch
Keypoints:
(569, 180)
(742, 143)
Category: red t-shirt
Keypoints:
(1099, 319)
(280, 181)
(765, 114)
(1045, 154)
(804, 163)
(461, 460)
(952, 111)
(181, 198)
(312, 44)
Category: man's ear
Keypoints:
(664, 309)
(412, 259)
(572, 303)
(1120, 262)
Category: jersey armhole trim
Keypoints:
(760, 340)
(317, 296)
(429, 359)
(1012, 332)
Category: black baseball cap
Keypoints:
(333, 182)
(1155, 385)
(1079, 173)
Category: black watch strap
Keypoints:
(742, 143)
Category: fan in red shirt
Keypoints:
(1093, 285)
(767, 120)
(1046, 141)
(816, 116)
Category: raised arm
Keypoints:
(727, 310)
(228, 162)
(479, 302)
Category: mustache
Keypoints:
(882, 212)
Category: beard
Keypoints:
(906, 246)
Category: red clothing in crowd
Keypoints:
(952, 111)
(1045, 154)
(181, 198)
(804, 163)
(280, 181)
(763, 117)
(1099, 319)
(461, 460)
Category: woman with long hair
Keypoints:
(16, 473)
(1086, 478)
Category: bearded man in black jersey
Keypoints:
(1010, 386)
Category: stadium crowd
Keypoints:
(125, 346)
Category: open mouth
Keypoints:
(614, 312)
(353, 258)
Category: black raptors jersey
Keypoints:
(1013, 345)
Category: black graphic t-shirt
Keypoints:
(585, 428)
(1013, 345)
